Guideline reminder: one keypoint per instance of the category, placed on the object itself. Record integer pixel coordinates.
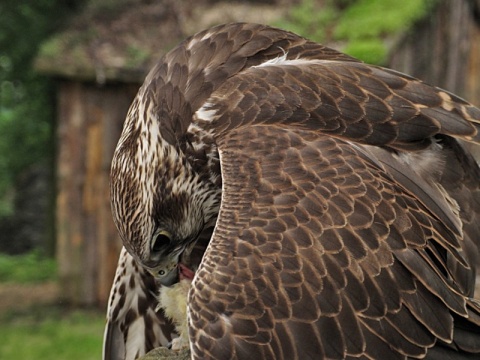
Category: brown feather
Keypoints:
(346, 208)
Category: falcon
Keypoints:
(320, 207)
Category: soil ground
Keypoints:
(19, 296)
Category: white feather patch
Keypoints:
(283, 61)
(206, 112)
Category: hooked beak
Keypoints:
(169, 278)
(167, 272)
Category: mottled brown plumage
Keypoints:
(344, 207)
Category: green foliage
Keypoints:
(361, 25)
(26, 98)
(374, 18)
(47, 333)
(28, 268)
(51, 47)
(310, 20)
(136, 55)
(372, 51)
(365, 23)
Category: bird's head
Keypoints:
(160, 205)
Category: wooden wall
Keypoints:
(444, 50)
(90, 120)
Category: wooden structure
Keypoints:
(444, 50)
(99, 62)
(90, 122)
(100, 69)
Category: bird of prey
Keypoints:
(322, 208)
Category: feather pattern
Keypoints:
(344, 207)
(133, 325)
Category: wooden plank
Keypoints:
(89, 125)
(116, 103)
(437, 50)
(70, 240)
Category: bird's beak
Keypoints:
(169, 278)
(166, 273)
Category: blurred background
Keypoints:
(69, 70)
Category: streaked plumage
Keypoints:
(134, 326)
(344, 207)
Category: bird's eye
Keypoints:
(161, 240)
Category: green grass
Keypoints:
(28, 268)
(45, 331)
(51, 333)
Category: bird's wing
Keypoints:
(325, 244)
(133, 326)
(318, 251)
(352, 100)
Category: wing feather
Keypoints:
(349, 218)
(395, 110)
(298, 280)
